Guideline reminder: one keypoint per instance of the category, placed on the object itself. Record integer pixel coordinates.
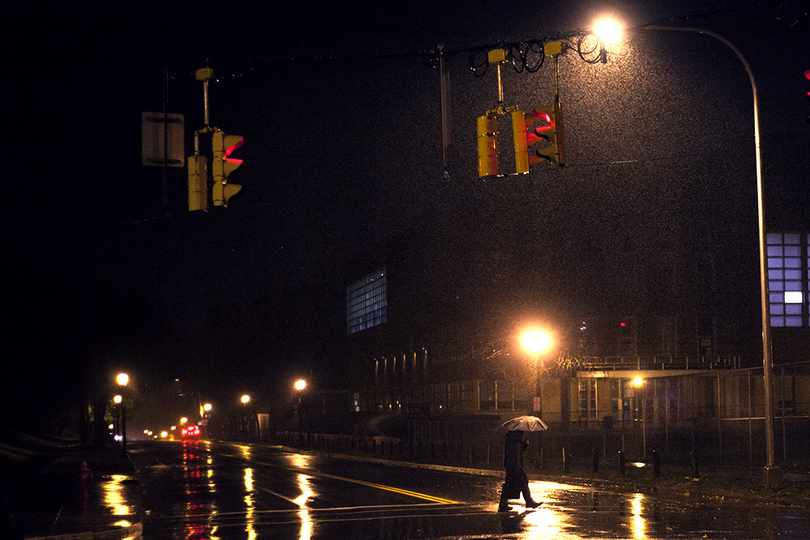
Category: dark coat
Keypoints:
(513, 451)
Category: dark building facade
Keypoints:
(663, 371)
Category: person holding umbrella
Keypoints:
(516, 481)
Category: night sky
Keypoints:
(339, 106)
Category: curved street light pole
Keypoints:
(770, 473)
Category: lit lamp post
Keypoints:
(123, 380)
(771, 473)
(205, 413)
(638, 382)
(536, 342)
(245, 399)
(299, 386)
(117, 399)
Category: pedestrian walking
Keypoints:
(516, 481)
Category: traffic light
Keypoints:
(807, 94)
(487, 145)
(527, 135)
(197, 183)
(627, 336)
(223, 165)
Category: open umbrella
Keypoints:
(525, 423)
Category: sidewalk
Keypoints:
(67, 492)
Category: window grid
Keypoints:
(587, 399)
(367, 302)
(787, 291)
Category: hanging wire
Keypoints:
(529, 56)
(590, 48)
(535, 47)
(479, 61)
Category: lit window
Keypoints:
(785, 284)
(367, 302)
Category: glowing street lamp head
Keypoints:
(117, 399)
(608, 30)
(536, 341)
(300, 384)
(207, 407)
(245, 399)
(638, 381)
(122, 379)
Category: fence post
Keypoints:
(695, 472)
(566, 466)
(595, 460)
(621, 461)
(656, 464)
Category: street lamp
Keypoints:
(299, 386)
(770, 473)
(536, 342)
(123, 379)
(117, 399)
(638, 382)
(245, 399)
(205, 415)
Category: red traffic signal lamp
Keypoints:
(807, 94)
(223, 165)
(543, 127)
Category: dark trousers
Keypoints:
(517, 483)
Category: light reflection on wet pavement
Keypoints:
(229, 491)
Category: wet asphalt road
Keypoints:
(219, 490)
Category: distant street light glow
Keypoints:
(245, 399)
(300, 384)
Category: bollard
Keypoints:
(695, 472)
(621, 461)
(566, 465)
(595, 460)
(656, 464)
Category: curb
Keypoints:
(131, 531)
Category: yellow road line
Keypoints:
(415, 494)
(380, 486)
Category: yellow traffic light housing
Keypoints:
(197, 183)
(222, 166)
(487, 145)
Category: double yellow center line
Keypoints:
(422, 496)
(392, 489)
